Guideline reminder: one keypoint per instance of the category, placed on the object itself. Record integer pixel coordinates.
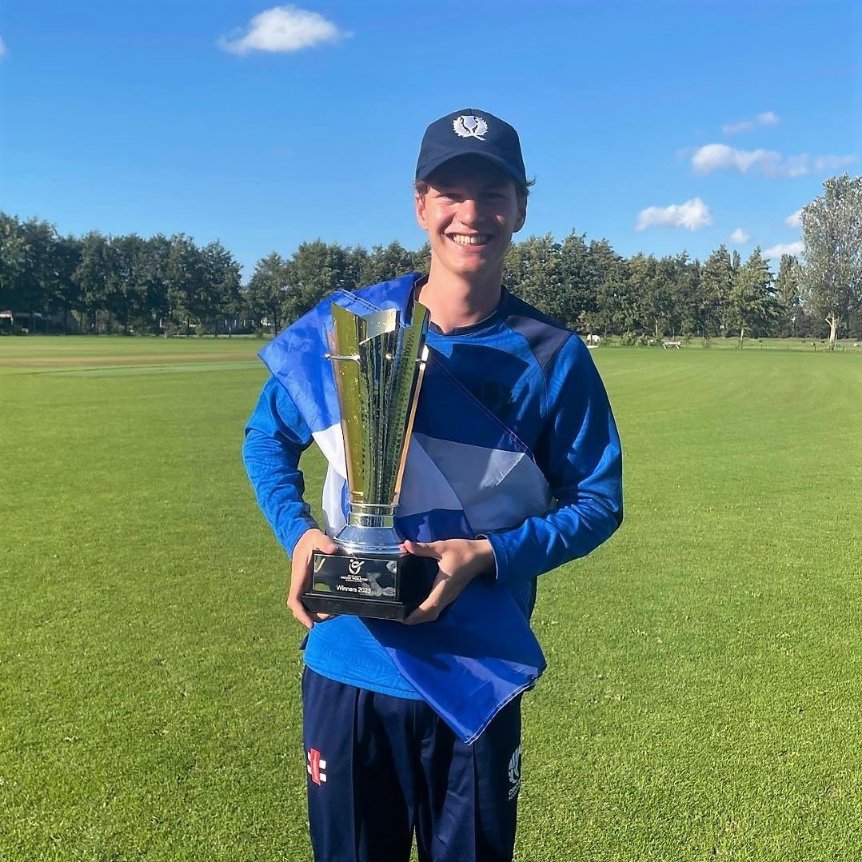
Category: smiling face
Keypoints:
(470, 210)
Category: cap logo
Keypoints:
(468, 126)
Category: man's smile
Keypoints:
(470, 239)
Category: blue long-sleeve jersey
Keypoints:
(513, 439)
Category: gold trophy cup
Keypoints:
(378, 367)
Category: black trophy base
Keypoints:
(366, 585)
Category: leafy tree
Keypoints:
(267, 289)
(126, 288)
(752, 300)
(38, 278)
(676, 282)
(716, 284)
(422, 258)
(832, 233)
(156, 279)
(220, 300)
(67, 293)
(577, 271)
(787, 296)
(383, 263)
(609, 288)
(95, 276)
(355, 265)
(13, 252)
(683, 275)
(187, 283)
(533, 272)
(316, 269)
(653, 300)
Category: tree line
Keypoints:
(171, 285)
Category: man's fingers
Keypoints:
(303, 615)
(311, 541)
(430, 609)
(421, 615)
(421, 549)
(325, 546)
(298, 610)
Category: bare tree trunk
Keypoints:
(833, 321)
(741, 336)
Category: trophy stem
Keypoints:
(370, 515)
(369, 532)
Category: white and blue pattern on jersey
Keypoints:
(513, 439)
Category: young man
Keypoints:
(514, 468)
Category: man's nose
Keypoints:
(468, 211)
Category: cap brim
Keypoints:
(432, 166)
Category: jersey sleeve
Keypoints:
(579, 452)
(276, 435)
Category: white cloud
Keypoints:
(832, 163)
(3, 50)
(739, 237)
(767, 118)
(282, 29)
(720, 157)
(736, 128)
(776, 251)
(794, 219)
(692, 215)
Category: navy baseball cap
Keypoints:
(471, 132)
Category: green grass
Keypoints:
(804, 345)
(704, 694)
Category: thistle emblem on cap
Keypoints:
(468, 126)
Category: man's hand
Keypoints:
(458, 562)
(300, 573)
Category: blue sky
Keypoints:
(660, 126)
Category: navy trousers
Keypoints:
(381, 769)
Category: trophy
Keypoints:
(378, 367)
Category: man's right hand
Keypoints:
(300, 573)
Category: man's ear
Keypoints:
(419, 200)
(522, 215)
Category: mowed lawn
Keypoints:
(704, 694)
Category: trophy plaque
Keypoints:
(378, 366)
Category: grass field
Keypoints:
(704, 694)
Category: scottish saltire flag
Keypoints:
(466, 474)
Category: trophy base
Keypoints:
(368, 585)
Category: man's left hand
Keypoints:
(458, 562)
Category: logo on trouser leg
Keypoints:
(515, 773)
(315, 766)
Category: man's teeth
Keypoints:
(476, 239)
